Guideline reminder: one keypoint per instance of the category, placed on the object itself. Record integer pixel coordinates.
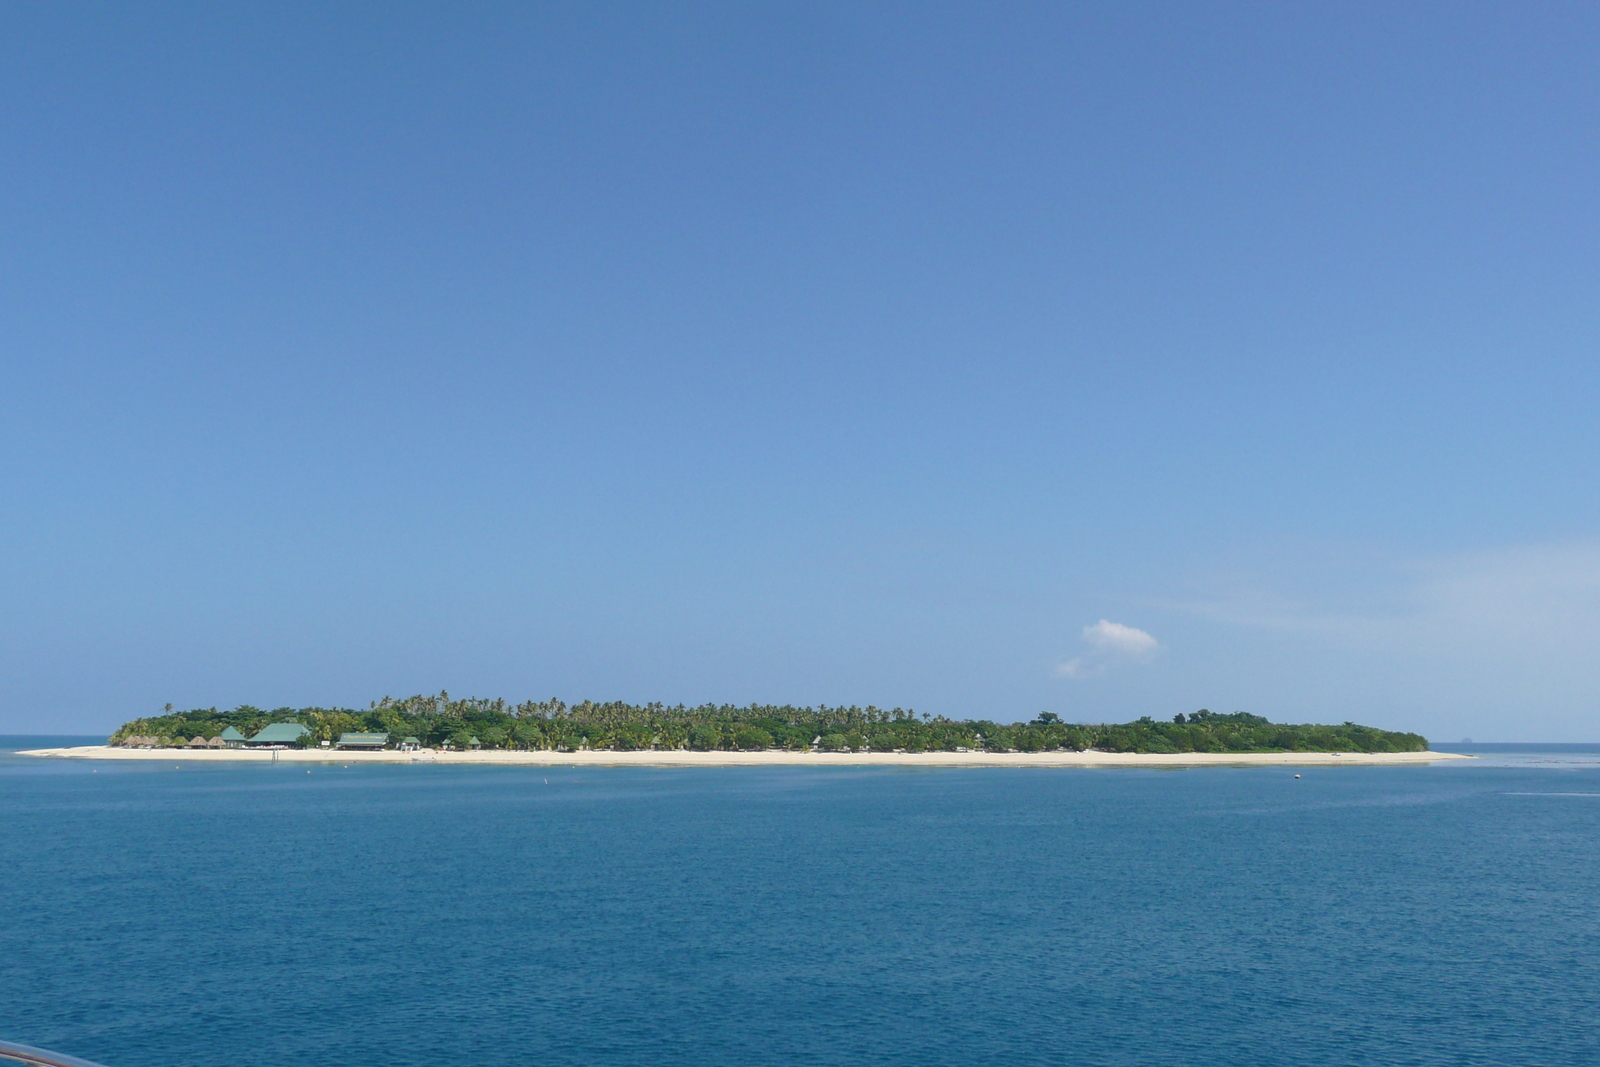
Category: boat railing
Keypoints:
(38, 1057)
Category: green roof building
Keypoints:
(279, 733)
(363, 741)
(231, 737)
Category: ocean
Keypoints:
(387, 916)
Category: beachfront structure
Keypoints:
(230, 737)
(279, 733)
(410, 744)
(363, 741)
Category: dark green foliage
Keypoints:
(751, 739)
(555, 725)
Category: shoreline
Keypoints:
(686, 758)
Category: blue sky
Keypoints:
(982, 360)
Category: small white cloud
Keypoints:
(1123, 640)
(1109, 642)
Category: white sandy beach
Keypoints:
(658, 758)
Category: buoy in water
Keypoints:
(308, 772)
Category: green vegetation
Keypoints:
(554, 725)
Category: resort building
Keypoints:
(279, 733)
(368, 742)
(410, 744)
(231, 737)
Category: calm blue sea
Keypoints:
(153, 915)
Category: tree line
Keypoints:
(553, 725)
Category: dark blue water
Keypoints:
(238, 915)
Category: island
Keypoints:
(438, 727)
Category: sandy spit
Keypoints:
(761, 759)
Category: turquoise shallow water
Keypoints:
(257, 915)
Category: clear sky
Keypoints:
(989, 359)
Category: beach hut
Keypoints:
(199, 742)
(363, 742)
(474, 743)
(216, 742)
(231, 737)
(410, 744)
(279, 734)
